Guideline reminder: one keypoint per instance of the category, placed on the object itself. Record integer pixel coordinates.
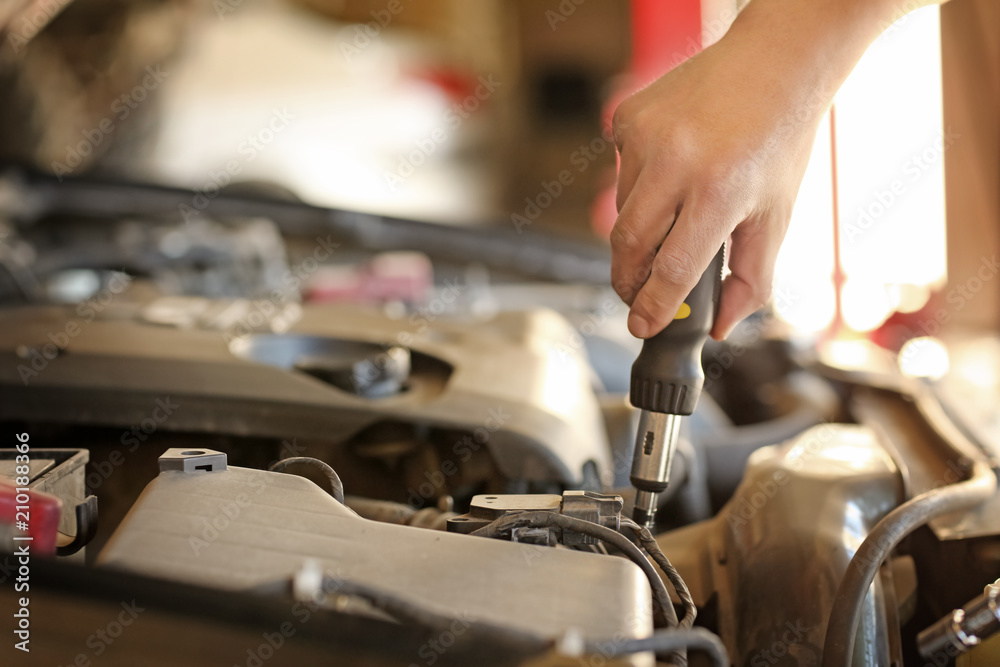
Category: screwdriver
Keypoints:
(667, 379)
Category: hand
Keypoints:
(717, 148)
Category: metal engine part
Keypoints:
(240, 529)
(514, 385)
(963, 629)
(774, 555)
(602, 509)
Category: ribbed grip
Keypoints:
(667, 376)
(671, 398)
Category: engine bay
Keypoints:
(313, 348)
(352, 462)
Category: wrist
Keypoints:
(805, 49)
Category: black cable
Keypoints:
(336, 486)
(653, 549)
(670, 641)
(412, 613)
(663, 641)
(838, 647)
(542, 519)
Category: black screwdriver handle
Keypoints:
(667, 376)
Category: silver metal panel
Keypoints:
(517, 381)
(36, 468)
(775, 554)
(239, 528)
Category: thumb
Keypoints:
(751, 263)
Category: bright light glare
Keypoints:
(924, 357)
(866, 306)
(890, 148)
(890, 189)
(977, 364)
(809, 309)
(849, 354)
(913, 297)
(803, 276)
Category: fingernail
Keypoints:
(638, 325)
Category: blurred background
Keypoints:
(372, 232)
(485, 124)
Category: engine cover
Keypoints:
(202, 522)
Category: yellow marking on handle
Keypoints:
(683, 312)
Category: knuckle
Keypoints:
(649, 308)
(619, 201)
(728, 180)
(624, 239)
(630, 122)
(719, 184)
(620, 122)
(674, 268)
(623, 290)
(760, 292)
(627, 280)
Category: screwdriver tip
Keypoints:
(643, 517)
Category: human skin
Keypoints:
(716, 150)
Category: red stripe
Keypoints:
(664, 32)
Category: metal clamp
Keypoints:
(957, 619)
(86, 527)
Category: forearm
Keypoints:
(716, 150)
(805, 49)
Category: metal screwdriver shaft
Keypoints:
(667, 379)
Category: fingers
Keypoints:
(628, 171)
(629, 165)
(686, 252)
(751, 262)
(642, 225)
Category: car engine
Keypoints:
(242, 425)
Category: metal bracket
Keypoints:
(599, 508)
(86, 527)
(192, 460)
